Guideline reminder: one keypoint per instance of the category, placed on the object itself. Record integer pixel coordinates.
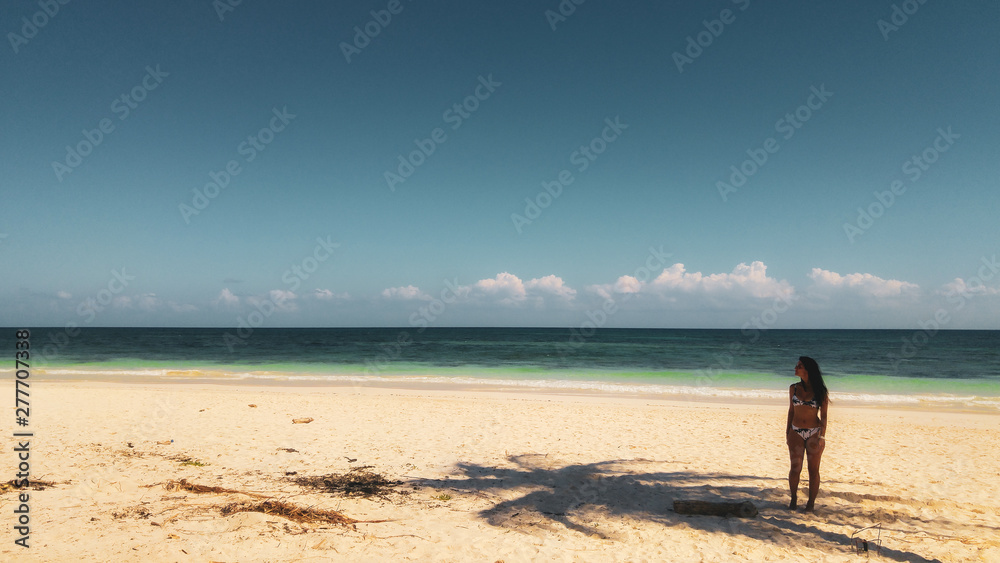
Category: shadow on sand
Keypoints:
(546, 494)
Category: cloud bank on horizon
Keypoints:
(672, 297)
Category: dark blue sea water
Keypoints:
(961, 367)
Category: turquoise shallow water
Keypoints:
(954, 366)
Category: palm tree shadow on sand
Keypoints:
(547, 495)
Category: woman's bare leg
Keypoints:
(814, 453)
(796, 448)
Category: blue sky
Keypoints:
(119, 117)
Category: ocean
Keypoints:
(950, 369)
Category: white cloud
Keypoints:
(510, 291)
(227, 299)
(277, 295)
(627, 284)
(274, 300)
(405, 293)
(505, 288)
(64, 295)
(960, 287)
(147, 302)
(283, 299)
(550, 285)
(328, 295)
(826, 282)
(746, 280)
(676, 284)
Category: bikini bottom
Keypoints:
(806, 433)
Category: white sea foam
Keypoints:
(665, 391)
(116, 374)
(106, 372)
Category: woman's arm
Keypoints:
(791, 409)
(822, 421)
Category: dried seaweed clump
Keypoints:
(290, 511)
(184, 485)
(14, 485)
(356, 482)
(132, 512)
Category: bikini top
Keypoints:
(797, 401)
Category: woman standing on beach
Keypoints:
(805, 430)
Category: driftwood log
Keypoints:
(745, 509)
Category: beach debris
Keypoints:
(184, 485)
(745, 509)
(350, 459)
(251, 405)
(864, 546)
(306, 420)
(294, 513)
(134, 512)
(18, 484)
(160, 442)
(181, 458)
(289, 450)
(192, 461)
(356, 482)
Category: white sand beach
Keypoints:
(487, 477)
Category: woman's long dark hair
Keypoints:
(815, 379)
